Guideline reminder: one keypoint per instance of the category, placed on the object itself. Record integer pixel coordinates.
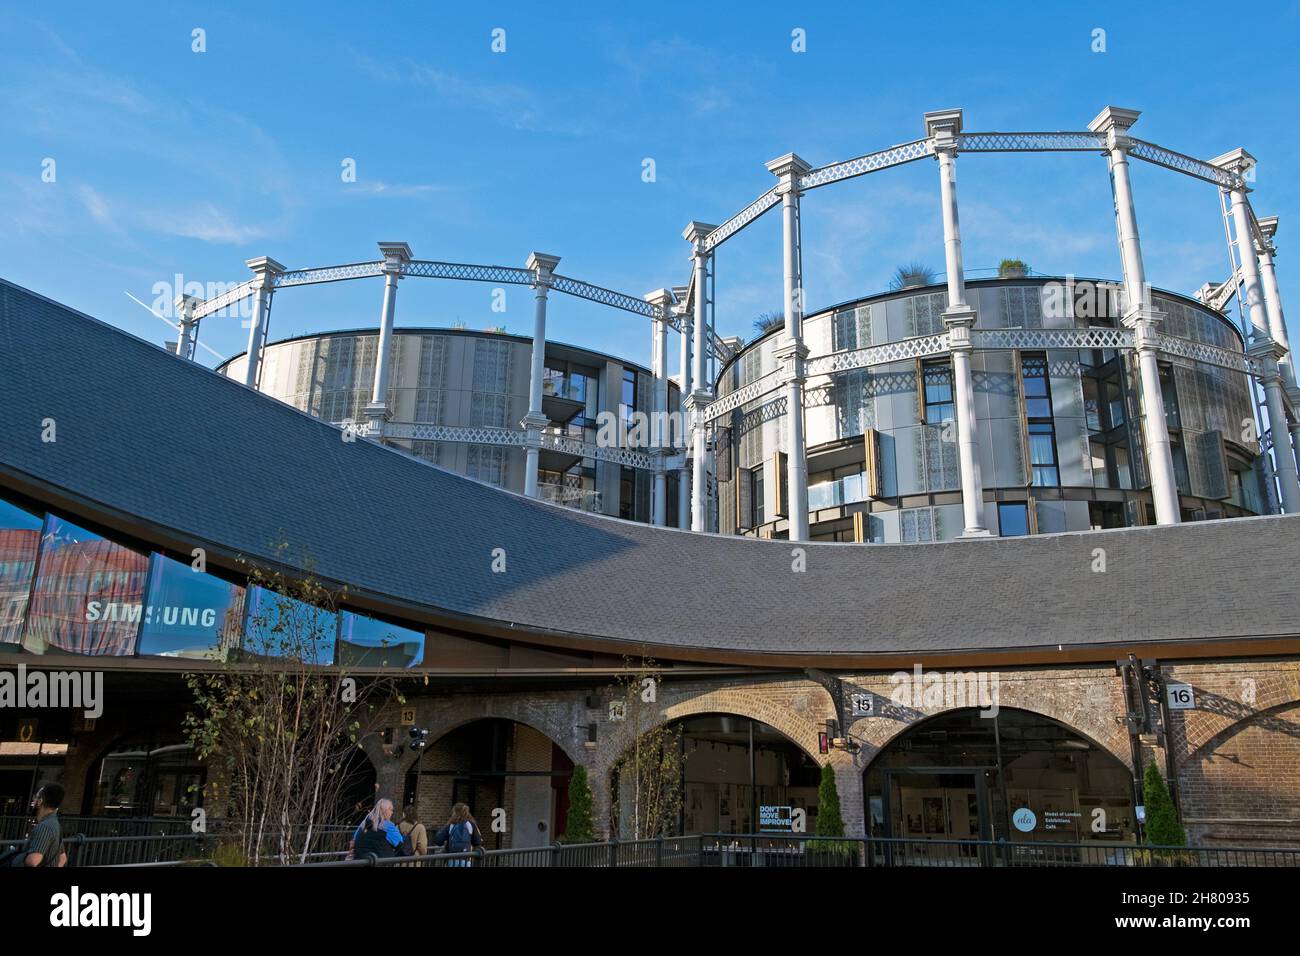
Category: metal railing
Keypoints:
(699, 850)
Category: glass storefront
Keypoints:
(148, 777)
(742, 776)
(20, 539)
(1015, 776)
(89, 593)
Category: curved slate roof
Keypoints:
(194, 458)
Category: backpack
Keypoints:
(456, 843)
(408, 841)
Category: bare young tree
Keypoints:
(650, 771)
(277, 726)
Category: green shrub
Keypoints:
(578, 825)
(1163, 828)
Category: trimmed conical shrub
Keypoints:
(829, 821)
(1163, 828)
(578, 824)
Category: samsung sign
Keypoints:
(167, 615)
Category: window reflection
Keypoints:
(369, 642)
(20, 538)
(281, 626)
(88, 596)
(190, 615)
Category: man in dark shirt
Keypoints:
(45, 845)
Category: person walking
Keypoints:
(414, 835)
(377, 833)
(45, 844)
(460, 835)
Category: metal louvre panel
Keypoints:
(1207, 463)
(925, 313)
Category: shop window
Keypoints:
(89, 593)
(370, 642)
(146, 776)
(188, 614)
(20, 539)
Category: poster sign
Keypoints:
(1180, 696)
(776, 819)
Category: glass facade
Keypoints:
(66, 589)
(282, 626)
(89, 593)
(190, 614)
(370, 642)
(20, 538)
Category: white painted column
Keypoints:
(1277, 322)
(662, 300)
(541, 265)
(186, 325)
(792, 351)
(1266, 350)
(265, 270)
(702, 393)
(1139, 315)
(943, 127)
(396, 254)
(1266, 353)
(684, 394)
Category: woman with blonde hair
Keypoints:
(377, 833)
(460, 835)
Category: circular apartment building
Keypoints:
(1060, 445)
(444, 381)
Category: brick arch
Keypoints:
(547, 718)
(1093, 721)
(881, 737)
(1267, 718)
(752, 701)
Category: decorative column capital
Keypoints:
(1144, 322)
(185, 304)
(793, 354)
(699, 400)
(942, 127)
(541, 266)
(695, 233)
(266, 269)
(1266, 352)
(533, 423)
(377, 414)
(1264, 241)
(959, 320)
(396, 255)
(788, 167)
(1239, 163)
(663, 301)
(1115, 122)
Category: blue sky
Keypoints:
(170, 161)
